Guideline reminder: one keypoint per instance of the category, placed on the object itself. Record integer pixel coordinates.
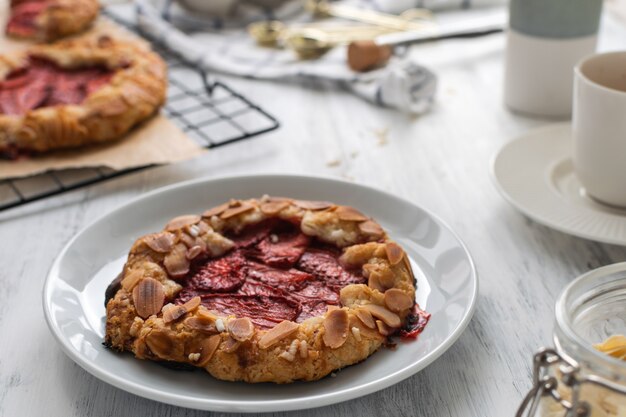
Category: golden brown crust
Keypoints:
(135, 92)
(63, 18)
(231, 348)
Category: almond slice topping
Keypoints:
(331, 307)
(192, 304)
(131, 279)
(159, 343)
(208, 348)
(231, 345)
(366, 318)
(160, 242)
(176, 261)
(277, 333)
(204, 228)
(336, 328)
(173, 313)
(383, 328)
(193, 252)
(148, 297)
(202, 322)
(380, 312)
(182, 221)
(350, 214)
(234, 211)
(396, 300)
(216, 211)
(394, 253)
(374, 282)
(313, 205)
(356, 332)
(241, 329)
(304, 349)
(273, 207)
(372, 228)
(187, 239)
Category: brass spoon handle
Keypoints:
(323, 7)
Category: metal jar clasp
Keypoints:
(545, 383)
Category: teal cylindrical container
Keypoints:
(545, 40)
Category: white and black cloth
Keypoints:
(222, 45)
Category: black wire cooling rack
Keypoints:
(208, 111)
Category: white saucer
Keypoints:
(535, 173)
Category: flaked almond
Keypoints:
(160, 344)
(350, 214)
(368, 269)
(356, 332)
(303, 349)
(313, 205)
(241, 329)
(394, 253)
(188, 240)
(192, 304)
(204, 228)
(396, 300)
(371, 228)
(277, 333)
(148, 297)
(287, 356)
(172, 313)
(193, 230)
(389, 318)
(234, 211)
(182, 221)
(160, 242)
(383, 328)
(131, 279)
(215, 211)
(386, 277)
(200, 242)
(231, 345)
(207, 348)
(366, 318)
(193, 252)
(176, 262)
(331, 307)
(374, 282)
(201, 322)
(273, 207)
(336, 328)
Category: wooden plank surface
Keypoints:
(440, 161)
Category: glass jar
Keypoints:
(573, 379)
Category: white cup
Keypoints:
(599, 124)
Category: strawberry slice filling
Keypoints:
(43, 84)
(23, 16)
(274, 273)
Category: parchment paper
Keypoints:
(156, 141)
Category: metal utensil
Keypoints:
(368, 54)
(310, 41)
(413, 19)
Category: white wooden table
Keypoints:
(440, 161)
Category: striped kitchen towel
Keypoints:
(222, 45)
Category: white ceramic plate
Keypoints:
(74, 295)
(535, 174)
